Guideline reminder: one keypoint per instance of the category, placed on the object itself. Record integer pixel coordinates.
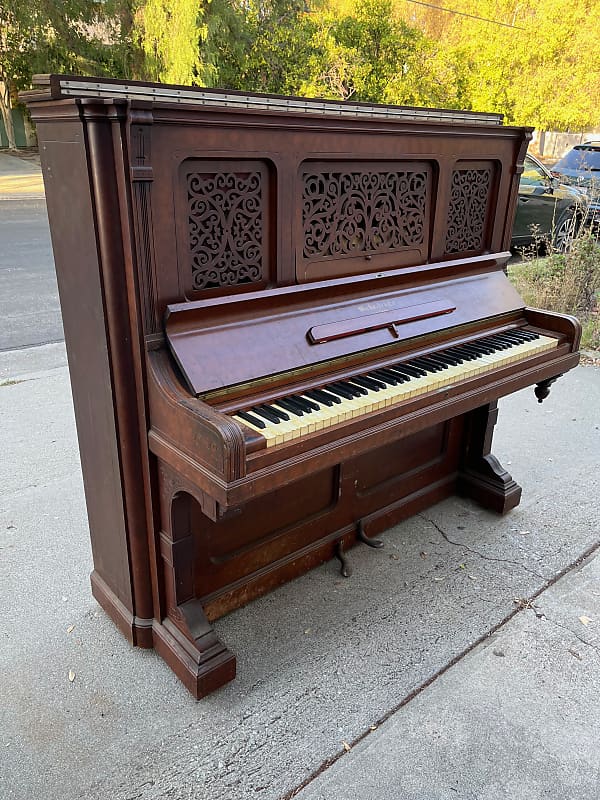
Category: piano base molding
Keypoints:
(186, 639)
(205, 563)
(195, 654)
(490, 485)
(138, 631)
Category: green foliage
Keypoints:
(258, 46)
(540, 67)
(169, 34)
(43, 36)
(367, 54)
(545, 71)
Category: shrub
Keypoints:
(566, 282)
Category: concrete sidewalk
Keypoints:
(20, 178)
(383, 685)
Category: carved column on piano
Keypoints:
(481, 475)
(185, 638)
(130, 606)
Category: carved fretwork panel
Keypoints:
(227, 224)
(469, 208)
(370, 211)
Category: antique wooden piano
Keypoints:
(288, 324)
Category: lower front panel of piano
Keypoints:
(210, 568)
(280, 535)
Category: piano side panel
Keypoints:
(78, 273)
(88, 219)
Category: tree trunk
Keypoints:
(6, 111)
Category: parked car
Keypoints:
(580, 167)
(547, 210)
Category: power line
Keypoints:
(464, 14)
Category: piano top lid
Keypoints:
(248, 338)
(61, 86)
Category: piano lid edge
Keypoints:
(431, 271)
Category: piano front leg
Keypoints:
(184, 637)
(481, 476)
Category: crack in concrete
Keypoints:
(570, 630)
(481, 555)
(329, 762)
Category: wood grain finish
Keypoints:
(210, 257)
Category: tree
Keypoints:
(259, 45)
(169, 34)
(42, 36)
(540, 66)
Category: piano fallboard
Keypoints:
(224, 346)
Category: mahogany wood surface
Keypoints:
(210, 257)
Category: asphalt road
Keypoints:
(29, 306)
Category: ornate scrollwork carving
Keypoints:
(225, 228)
(362, 211)
(469, 195)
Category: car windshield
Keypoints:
(584, 156)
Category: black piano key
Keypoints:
(306, 403)
(341, 391)
(357, 391)
(290, 406)
(529, 335)
(406, 369)
(459, 358)
(484, 347)
(279, 411)
(329, 395)
(318, 397)
(368, 383)
(500, 343)
(387, 376)
(258, 423)
(463, 353)
(423, 363)
(509, 341)
(475, 349)
(402, 377)
(439, 360)
(520, 336)
(443, 357)
(376, 375)
(266, 413)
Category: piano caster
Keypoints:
(542, 389)
(345, 569)
(362, 536)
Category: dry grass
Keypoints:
(565, 282)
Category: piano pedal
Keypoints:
(362, 536)
(345, 569)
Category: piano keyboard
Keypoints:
(295, 415)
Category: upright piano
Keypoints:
(288, 323)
